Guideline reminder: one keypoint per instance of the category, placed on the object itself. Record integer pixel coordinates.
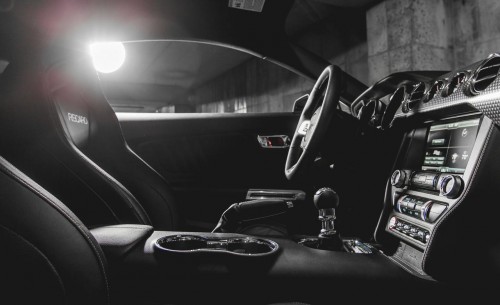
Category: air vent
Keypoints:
(366, 111)
(416, 95)
(485, 74)
(436, 87)
(356, 107)
(395, 101)
(455, 83)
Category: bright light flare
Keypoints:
(107, 56)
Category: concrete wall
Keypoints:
(476, 28)
(408, 35)
(430, 34)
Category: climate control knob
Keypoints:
(398, 178)
(451, 186)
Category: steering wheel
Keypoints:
(314, 122)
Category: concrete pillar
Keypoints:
(407, 35)
(354, 61)
(476, 30)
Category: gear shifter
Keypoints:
(326, 201)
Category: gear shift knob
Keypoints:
(326, 198)
(326, 201)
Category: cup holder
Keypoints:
(183, 243)
(250, 246)
(192, 244)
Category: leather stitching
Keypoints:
(65, 213)
(41, 254)
(135, 207)
(169, 207)
(116, 218)
(466, 191)
(124, 193)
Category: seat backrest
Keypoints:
(33, 139)
(47, 256)
(90, 127)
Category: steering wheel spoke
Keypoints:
(314, 122)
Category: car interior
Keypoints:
(209, 157)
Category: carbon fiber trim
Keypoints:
(487, 101)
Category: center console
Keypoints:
(434, 168)
(220, 267)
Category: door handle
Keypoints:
(274, 141)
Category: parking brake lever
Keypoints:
(250, 210)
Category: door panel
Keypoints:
(210, 160)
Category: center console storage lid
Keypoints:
(117, 240)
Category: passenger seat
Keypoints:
(58, 127)
(47, 255)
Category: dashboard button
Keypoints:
(398, 178)
(435, 211)
(393, 222)
(451, 186)
(421, 235)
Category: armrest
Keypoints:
(118, 240)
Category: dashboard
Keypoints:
(448, 146)
(443, 176)
(432, 175)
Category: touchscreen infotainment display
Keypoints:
(449, 146)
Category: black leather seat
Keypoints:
(63, 133)
(33, 139)
(92, 132)
(47, 256)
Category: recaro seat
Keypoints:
(63, 133)
(47, 256)
(50, 120)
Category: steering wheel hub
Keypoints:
(314, 122)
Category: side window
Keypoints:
(191, 77)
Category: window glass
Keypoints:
(191, 77)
